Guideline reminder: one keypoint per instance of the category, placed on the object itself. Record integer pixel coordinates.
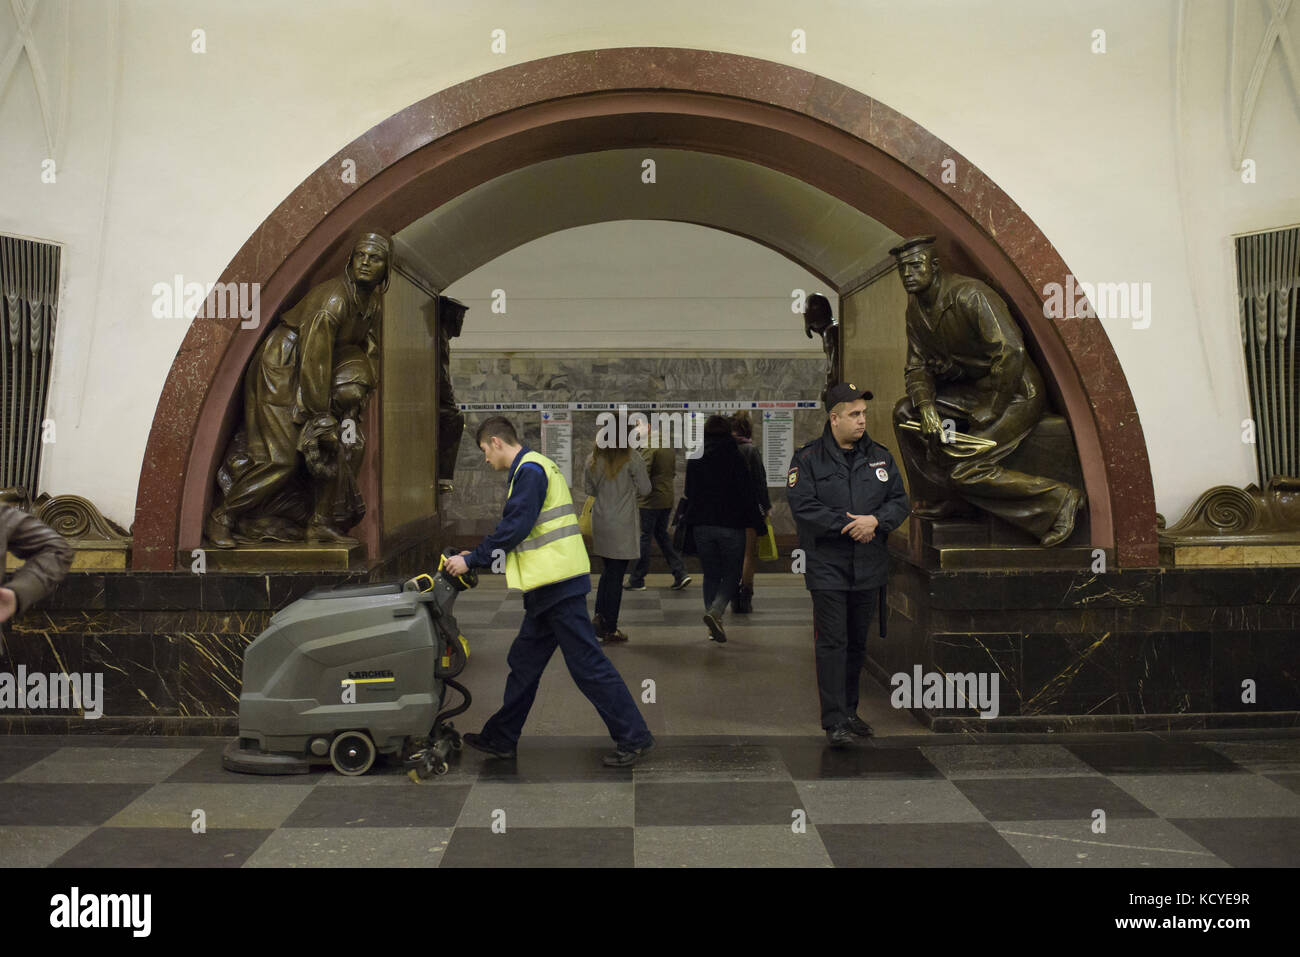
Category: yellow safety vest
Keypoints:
(553, 550)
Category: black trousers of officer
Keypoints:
(841, 620)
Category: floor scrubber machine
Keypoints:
(347, 673)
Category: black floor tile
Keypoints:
(381, 805)
(723, 802)
(163, 847)
(917, 845)
(809, 759)
(676, 756)
(1152, 756)
(1049, 799)
(86, 805)
(13, 760)
(1246, 841)
(1287, 780)
(537, 763)
(206, 768)
(540, 847)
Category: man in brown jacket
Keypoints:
(46, 555)
(661, 463)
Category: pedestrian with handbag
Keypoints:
(616, 477)
(743, 432)
(721, 502)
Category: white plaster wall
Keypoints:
(639, 287)
(196, 150)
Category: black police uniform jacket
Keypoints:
(821, 490)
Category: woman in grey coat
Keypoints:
(617, 479)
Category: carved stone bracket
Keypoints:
(1228, 525)
(99, 542)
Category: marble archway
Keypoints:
(826, 134)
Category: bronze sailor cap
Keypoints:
(916, 242)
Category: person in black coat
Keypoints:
(743, 432)
(721, 502)
(846, 494)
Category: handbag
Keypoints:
(683, 534)
(767, 544)
(584, 517)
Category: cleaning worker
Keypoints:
(546, 559)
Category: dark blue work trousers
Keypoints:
(566, 624)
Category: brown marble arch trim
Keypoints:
(819, 131)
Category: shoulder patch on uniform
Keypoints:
(792, 477)
(874, 464)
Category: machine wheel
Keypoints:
(440, 767)
(352, 753)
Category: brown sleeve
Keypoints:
(316, 362)
(46, 554)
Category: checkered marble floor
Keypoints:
(741, 777)
(764, 801)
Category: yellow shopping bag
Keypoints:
(767, 545)
(584, 519)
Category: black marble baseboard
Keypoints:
(1129, 650)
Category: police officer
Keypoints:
(546, 559)
(846, 495)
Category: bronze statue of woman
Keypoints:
(288, 383)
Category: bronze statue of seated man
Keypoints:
(966, 363)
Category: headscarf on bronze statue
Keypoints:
(451, 421)
(966, 362)
(817, 318)
(289, 473)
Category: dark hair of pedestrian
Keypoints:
(716, 425)
(741, 425)
(498, 426)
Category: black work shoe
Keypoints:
(860, 727)
(623, 758)
(840, 737)
(476, 742)
(715, 628)
(639, 586)
(681, 583)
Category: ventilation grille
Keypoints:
(29, 284)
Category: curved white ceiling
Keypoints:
(821, 233)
